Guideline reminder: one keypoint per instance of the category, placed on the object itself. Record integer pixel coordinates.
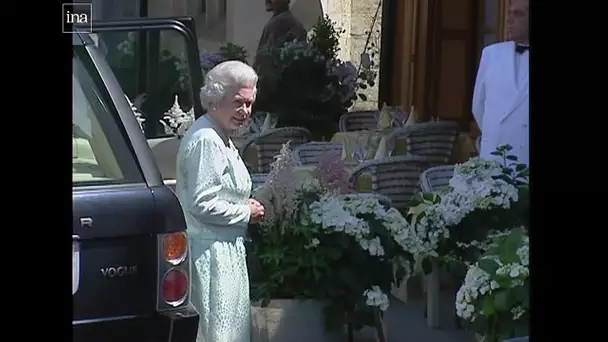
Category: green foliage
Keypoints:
(232, 51)
(513, 172)
(496, 319)
(326, 38)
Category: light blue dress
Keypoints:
(213, 187)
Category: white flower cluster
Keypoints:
(314, 242)
(330, 212)
(523, 252)
(478, 283)
(376, 298)
(473, 187)
(176, 121)
(310, 185)
(344, 215)
(484, 245)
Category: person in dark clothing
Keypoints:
(282, 27)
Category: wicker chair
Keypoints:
(397, 178)
(269, 143)
(311, 152)
(436, 177)
(359, 120)
(433, 139)
(257, 180)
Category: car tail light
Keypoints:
(175, 247)
(175, 287)
(173, 271)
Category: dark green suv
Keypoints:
(131, 268)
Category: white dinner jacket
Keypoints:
(501, 101)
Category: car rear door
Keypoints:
(119, 202)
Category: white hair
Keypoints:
(224, 78)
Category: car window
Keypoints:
(100, 152)
(152, 69)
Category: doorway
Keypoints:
(437, 46)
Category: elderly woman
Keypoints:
(213, 187)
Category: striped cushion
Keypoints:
(310, 153)
(359, 121)
(268, 147)
(432, 139)
(397, 178)
(436, 178)
(257, 180)
(399, 182)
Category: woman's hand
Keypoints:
(257, 211)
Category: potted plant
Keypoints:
(319, 246)
(484, 200)
(495, 295)
(227, 52)
(309, 86)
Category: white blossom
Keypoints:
(314, 242)
(376, 298)
(373, 246)
(479, 283)
(472, 187)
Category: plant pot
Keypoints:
(290, 320)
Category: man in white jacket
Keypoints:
(501, 95)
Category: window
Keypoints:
(152, 69)
(100, 153)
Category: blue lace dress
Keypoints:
(213, 187)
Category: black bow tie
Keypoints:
(521, 48)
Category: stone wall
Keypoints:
(245, 19)
(361, 19)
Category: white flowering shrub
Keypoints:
(495, 295)
(484, 200)
(318, 243)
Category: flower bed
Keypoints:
(471, 225)
(319, 242)
(485, 199)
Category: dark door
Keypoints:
(445, 59)
(118, 209)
